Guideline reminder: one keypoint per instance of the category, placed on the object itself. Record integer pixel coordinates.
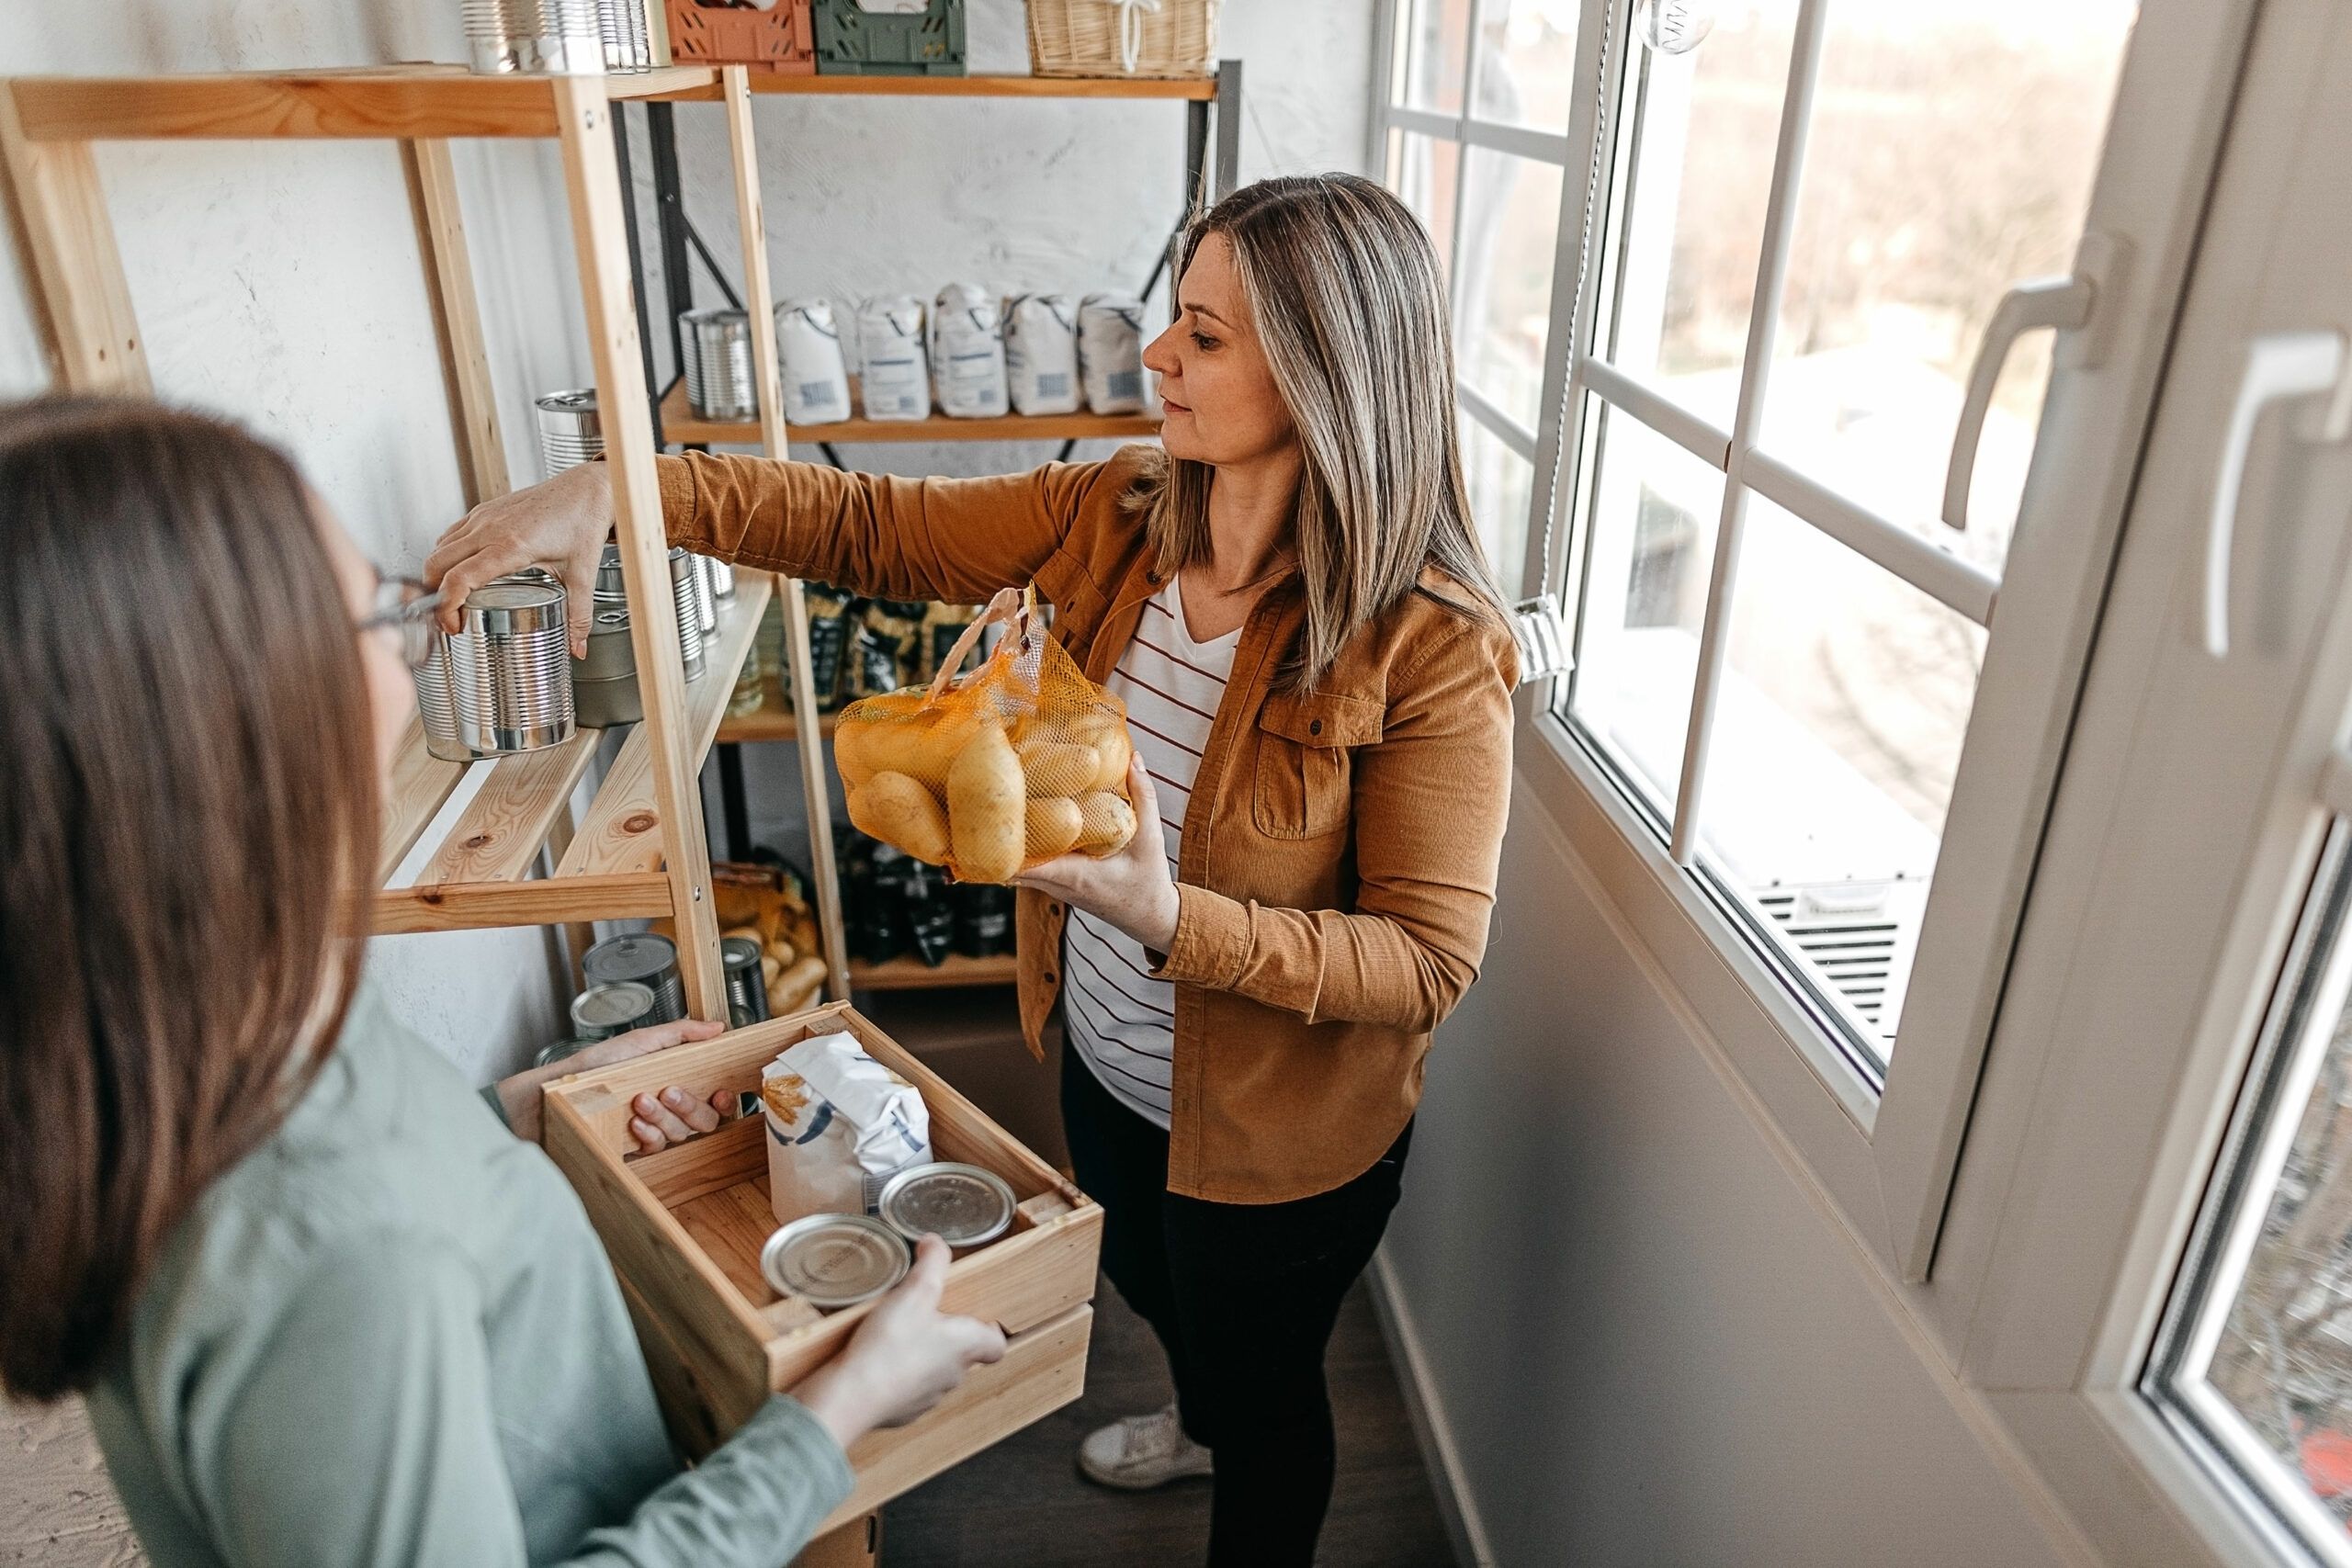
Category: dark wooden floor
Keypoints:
(1022, 1504)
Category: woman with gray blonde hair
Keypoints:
(1289, 598)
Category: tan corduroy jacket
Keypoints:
(1339, 856)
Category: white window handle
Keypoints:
(2045, 302)
(2277, 365)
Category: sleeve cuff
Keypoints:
(497, 1106)
(675, 477)
(790, 1423)
(1212, 940)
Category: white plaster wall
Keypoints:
(1650, 1350)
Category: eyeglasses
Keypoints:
(404, 607)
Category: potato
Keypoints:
(898, 810)
(771, 966)
(750, 933)
(1107, 823)
(1055, 823)
(987, 807)
(1057, 767)
(1113, 747)
(923, 746)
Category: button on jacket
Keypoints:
(1338, 865)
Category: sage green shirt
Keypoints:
(389, 1337)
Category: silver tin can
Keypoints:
(604, 685)
(722, 579)
(706, 595)
(747, 985)
(510, 668)
(963, 1205)
(643, 958)
(570, 431)
(718, 364)
(550, 1054)
(544, 38)
(628, 45)
(833, 1260)
(685, 580)
(606, 704)
(434, 709)
(615, 1007)
(610, 584)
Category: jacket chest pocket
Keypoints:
(1305, 766)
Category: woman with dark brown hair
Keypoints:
(325, 1310)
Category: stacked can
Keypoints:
(543, 37)
(604, 684)
(508, 668)
(717, 345)
(602, 1011)
(612, 594)
(747, 985)
(569, 433)
(643, 959)
(686, 592)
(628, 42)
(434, 709)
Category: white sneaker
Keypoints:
(1140, 1453)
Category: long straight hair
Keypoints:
(1343, 286)
(189, 799)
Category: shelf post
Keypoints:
(774, 441)
(66, 243)
(1229, 127)
(591, 175)
(457, 318)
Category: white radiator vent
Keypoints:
(1853, 947)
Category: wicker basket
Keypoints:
(1084, 38)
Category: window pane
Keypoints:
(1426, 174)
(1697, 163)
(1527, 54)
(1653, 519)
(1500, 482)
(2260, 1356)
(1502, 281)
(1835, 739)
(1953, 143)
(1435, 31)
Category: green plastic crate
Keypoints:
(852, 42)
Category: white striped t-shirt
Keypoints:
(1122, 1021)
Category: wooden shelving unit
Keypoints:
(776, 720)
(681, 424)
(641, 850)
(911, 973)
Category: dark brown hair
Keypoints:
(187, 797)
(1350, 308)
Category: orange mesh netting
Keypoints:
(1021, 760)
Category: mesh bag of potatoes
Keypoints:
(1022, 760)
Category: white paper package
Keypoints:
(1040, 352)
(839, 1124)
(816, 381)
(894, 371)
(968, 353)
(1110, 352)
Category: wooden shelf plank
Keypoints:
(911, 973)
(681, 425)
(548, 901)
(501, 830)
(421, 783)
(1201, 88)
(622, 832)
(400, 102)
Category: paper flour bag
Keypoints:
(894, 374)
(839, 1124)
(1110, 352)
(968, 353)
(1040, 352)
(816, 381)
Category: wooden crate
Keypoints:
(685, 1227)
(782, 38)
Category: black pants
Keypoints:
(1243, 1297)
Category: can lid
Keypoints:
(645, 958)
(738, 953)
(549, 1056)
(833, 1260)
(962, 1205)
(575, 401)
(516, 593)
(612, 1007)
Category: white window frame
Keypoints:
(1886, 1154)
